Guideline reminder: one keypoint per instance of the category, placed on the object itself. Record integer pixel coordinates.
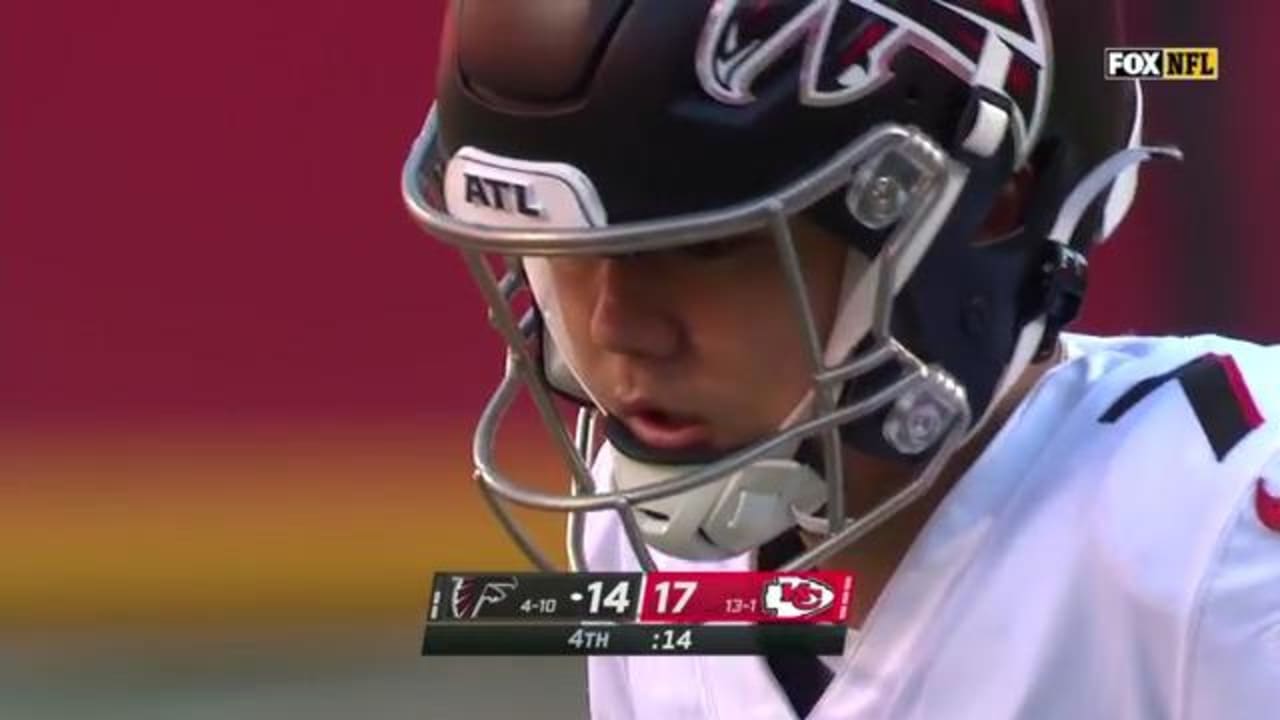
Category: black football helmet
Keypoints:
(568, 127)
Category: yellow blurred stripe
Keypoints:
(214, 529)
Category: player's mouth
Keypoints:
(663, 429)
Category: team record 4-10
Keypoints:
(719, 613)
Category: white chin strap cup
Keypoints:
(727, 517)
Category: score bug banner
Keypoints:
(662, 597)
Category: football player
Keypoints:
(805, 267)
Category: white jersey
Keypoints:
(1114, 553)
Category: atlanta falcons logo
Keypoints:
(849, 46)
(470, 594)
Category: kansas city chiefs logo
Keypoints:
(471, 594)
(848, 46)
(794, 597)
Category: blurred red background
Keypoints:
(237, 384)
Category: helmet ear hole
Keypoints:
(1053, 168)
(1008, 213)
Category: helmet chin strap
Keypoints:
(1030, 339)
(1064, 270)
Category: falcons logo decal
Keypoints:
(471, 594)
(849, 46)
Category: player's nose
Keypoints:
(632, 315)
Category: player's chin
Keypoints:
(727, 441)
(735, 432)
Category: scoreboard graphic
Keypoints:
(719, 613)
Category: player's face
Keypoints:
(699, 347)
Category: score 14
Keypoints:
(617, 599)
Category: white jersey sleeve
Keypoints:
(1233, 669)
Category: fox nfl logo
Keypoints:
(1162, 63)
